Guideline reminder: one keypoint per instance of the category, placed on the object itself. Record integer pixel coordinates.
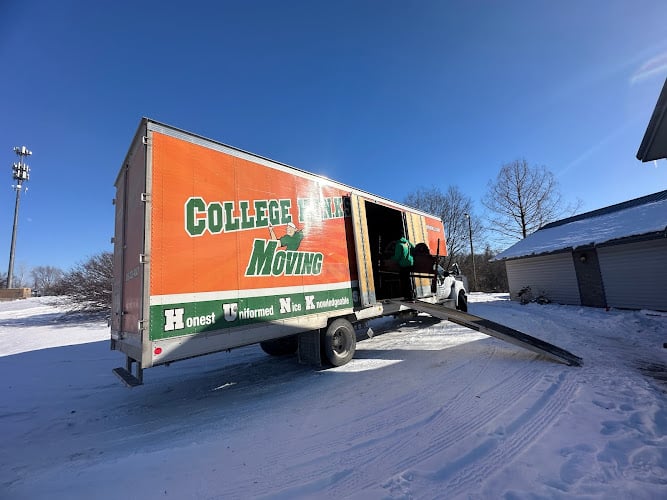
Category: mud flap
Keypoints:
(309, 351)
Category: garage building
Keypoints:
(612, 257)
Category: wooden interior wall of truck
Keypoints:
(417, 233)
(376, 229)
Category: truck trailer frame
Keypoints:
(217, 248)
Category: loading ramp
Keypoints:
(494, 329)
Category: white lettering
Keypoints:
(285, 305)
(173, 319)
(230, 311)
(200, 320)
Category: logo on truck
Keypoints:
(267, 260)
(278, 255)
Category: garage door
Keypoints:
(635, 274)
(550, 275)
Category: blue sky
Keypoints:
(386, 96)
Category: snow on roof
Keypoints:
(600, 227)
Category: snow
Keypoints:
(426, 409)
(633, 221)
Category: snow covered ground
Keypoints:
(426, 409)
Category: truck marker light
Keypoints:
(157, 351)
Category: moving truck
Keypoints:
(217, 248)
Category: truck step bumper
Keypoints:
(126, 377)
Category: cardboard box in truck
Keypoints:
(217, 248)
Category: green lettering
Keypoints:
(299, 264)
(307, 263)
(231, 222)
(326, 205)
(215, 217)
(302, 204)
(247, 221)
(274, 213)
(285, 216)
(292, 259)
(278, 263)
(260, 213)
(338, 207)
(317, 263)
(194, 226)
(261, 258)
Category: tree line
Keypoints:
(87, 285)
(519, 201)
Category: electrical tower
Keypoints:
(20, 173)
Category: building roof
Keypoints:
(654, 143)
(644, 217)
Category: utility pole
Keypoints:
(21, 173)
(472, 252)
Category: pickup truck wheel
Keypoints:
(462, 303)
(285, 346)
(339, 342)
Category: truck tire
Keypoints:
(285, 346)
(462, 303)
(339, 342)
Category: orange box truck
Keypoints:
(217, 248)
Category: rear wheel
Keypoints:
(339, 342)
(462, 303)
(285, 346)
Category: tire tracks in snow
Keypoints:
(362, 445)
(501, 447)
(469, 420)
(363, 452)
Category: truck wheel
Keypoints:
(285, 346)
(339, 342)
(462, 303)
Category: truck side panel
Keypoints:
(237, 244)
(118, 240)
(216, 248)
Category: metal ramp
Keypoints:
(494, 329)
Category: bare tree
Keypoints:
(19, 277)
(522, 199)
(45, 279)
(88, 285)
(452, 208)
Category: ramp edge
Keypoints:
(497, 330)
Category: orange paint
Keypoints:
(182, 263)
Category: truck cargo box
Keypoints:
(217, 248)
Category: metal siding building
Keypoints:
(615, 256)
(550, 275)
(618, 254)
(635, 274)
